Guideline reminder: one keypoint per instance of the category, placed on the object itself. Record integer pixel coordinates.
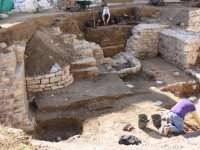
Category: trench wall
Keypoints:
(24, 31)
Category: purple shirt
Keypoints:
(183, 107)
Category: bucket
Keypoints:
(143, 120)
(157, 119)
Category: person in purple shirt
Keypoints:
(178, 112)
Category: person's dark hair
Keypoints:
(106, 16)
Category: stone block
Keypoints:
(59, 73)
(17, 92)
(45, 81)
(55, 87)
(32, 86)
(33, 82)
(29, 78)
(18, 117)
(39, 90)
(66, 69)
(47, 89)
(50, 75)
(50, 85)
(39, 77)
(55, 79)
(32, 90)
(41, 86)
(65, 76)
(70, 82)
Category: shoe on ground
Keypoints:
(167, 130)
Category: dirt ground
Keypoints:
(102, 128)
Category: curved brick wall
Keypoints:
(51, 81)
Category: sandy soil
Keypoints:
(102, 129)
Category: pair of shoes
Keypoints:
(167, 129)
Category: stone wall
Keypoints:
(144, 41)
(51, 81)
(180, 47)
(13, 96)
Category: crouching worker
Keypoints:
(177, 114)
(105, 16)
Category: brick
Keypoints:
(62, 82)
(47, 89)
(17, 92)
(50, 85)
(39, 90)
(55, 79)
(70, 82)
(33, 82)
(32, 86)
(32, 90)
(29, 78)
(44, 81)
(66, 69)
(55, 87)
(39, 77)
(59, 73)
(65, 76)
(41, 86)
(50, 75)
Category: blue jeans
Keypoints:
(176, 122)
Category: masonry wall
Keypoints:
(52, 81)
(180, 47)
(144, 41)
(13, 97)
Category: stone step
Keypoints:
(82, 53)
(82, 92)
(81, 45)
(85, 62)
(87, 72)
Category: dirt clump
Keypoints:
(42, 53)
(14, 139)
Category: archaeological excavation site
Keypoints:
(70, 83)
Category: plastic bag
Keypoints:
(55, 68)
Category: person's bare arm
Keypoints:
(196, 116)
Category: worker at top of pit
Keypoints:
(105, 15)
(178, 112)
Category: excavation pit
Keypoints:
(76, 99)
(58, 130)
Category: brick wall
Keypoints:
(51, 81)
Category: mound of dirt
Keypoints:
(14, 139)
(42, 52)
